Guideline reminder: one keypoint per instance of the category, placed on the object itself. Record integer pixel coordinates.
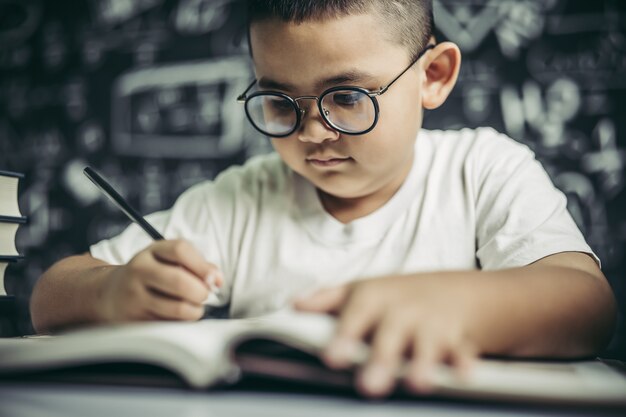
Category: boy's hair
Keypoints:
(410, 22)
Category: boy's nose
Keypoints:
(313, 127)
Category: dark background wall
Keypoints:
(144, 91)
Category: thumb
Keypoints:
(328, 300)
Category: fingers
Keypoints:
(356, 320)
(164, 308)
(158, 271)
(352, 324)
(388, 346)
(175, 269)
(400, 320)
(463, 359)
(429, 355)
(425, 358)
(164, 281)
(327, 300)
(358, 316)
(183, 253)
(178, 283)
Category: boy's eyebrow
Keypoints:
(269, 84)
(348, 77)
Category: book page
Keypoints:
(197, 351)
(3, 267)
(7, 238)
(306, 331)
(588, 381)
(200, 352)
(8, 196)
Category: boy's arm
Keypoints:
(560, 306)
(68, 293)
(168, 280)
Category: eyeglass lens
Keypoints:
(350, 111)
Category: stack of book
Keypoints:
(10, 219)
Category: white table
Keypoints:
(34, 399)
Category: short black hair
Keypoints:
(410, 22)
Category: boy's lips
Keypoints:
(327, 161)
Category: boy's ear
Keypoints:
(441, 67)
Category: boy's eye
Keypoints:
(279, 104)
(347, 98)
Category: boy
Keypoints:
(473, 247)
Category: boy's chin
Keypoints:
(340, 191)
(337, 185)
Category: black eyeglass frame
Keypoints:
(244, 98)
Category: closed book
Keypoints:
(8, 230)
(7, 306)
(8, 316)
(4, 262)
(10, 219)
(9, 182)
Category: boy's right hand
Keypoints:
(169, 280)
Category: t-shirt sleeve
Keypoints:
(521, 216)
(211, 215)
(189, 219)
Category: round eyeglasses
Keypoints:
(347, 109)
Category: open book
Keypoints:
(285, 346)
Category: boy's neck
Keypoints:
(347, 210)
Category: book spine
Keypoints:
(6, 259)
(11, 219)
(11, 174)
(8, 316)
(11, 258)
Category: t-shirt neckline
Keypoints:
(322, 226)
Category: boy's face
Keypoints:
(309, 58)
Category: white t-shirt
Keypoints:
(474, 199)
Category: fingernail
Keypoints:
(422, 380)
(376, 379)
(210, 280)
(301, 301)
(219, 278)
(341, 352)
(465, 370)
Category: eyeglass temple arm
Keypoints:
(242, 98)
(421, 54)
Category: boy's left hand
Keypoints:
(423, 318)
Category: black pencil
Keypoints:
(119, 201)
(123, 205)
